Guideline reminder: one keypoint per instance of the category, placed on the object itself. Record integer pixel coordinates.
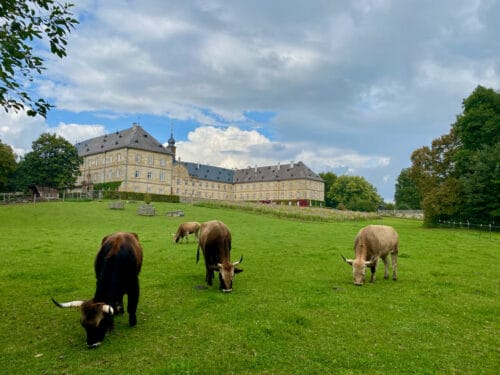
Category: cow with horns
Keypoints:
(371, 243)
(215, 242)
(117, 266)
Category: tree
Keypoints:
(329, 179)
(354, 193)
(478, 158)
(458, 177)
(7, 165)
(22, 22)
(433, 171)
(407, 195)
(54, 162)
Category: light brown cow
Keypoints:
(373, 242)
(215, 242)
(185, 229)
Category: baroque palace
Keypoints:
(143, 164)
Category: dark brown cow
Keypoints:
(215, 242)
(373, 242)
(185, 229)
(117, 266)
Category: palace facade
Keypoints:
(143, 164)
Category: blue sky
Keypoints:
(344, 86)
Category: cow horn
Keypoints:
(68, 304)
(108, 309)
(348, 261)
(238, 262)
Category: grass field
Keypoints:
(294, 309)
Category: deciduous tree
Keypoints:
(354, 193)
(54, 162)
(7, 165)
(407, 195)
(22, 23)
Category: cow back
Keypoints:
(375, 240)
(215, 242)
(117, 264)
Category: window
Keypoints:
(163, 162)
(137, 174)
(151, 160)
(150, 175)
(162, 176)
(137, 158)
(119, 157)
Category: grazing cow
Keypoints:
(373, 242)
(117, 266)
(185, 229)
(215, 242)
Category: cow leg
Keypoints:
(119, 305)
(133, 300)
(386, 266)
(394, 258)
(209, 276)
(373, 269)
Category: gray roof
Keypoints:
(207, 172)
(292, 171)
(134, 137)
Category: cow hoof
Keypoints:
(132, 320)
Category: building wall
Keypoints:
(146, 171)
(190, 187)
(141, 171)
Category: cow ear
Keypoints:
(371, 262)
(238, 270)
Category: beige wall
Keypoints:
(140, 171)
(145, 171)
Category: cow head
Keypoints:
(226, 274)
(359, 268)
(97, 319)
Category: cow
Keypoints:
(185, 229)
(117, 266)
(373, 242)
(215, 242)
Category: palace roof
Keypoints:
(135, 137)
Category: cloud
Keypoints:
(353, 85)
(20, 130)
(235, 148)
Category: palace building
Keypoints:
(144, 165)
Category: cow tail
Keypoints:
(198, 254)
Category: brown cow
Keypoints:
(215, 242)
(185, 229)
(117, 266)
(372, 242)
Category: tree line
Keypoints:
(457, 177)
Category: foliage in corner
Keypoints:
(22, 23)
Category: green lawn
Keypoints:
(294, 309)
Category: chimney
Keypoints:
(279, 166)
(291, 164)
(255, 167)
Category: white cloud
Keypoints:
(235, 148)
(74, 133)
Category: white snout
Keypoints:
(94, 345)
(227, 290)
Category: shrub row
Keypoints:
(129, 195)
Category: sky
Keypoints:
(346, 86)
